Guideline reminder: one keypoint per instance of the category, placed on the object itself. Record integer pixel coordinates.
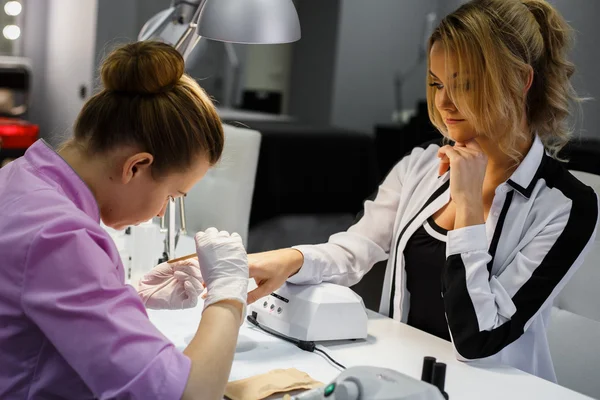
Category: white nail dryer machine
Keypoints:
(313, 312)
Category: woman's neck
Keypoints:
(500, 165)
(87, 168)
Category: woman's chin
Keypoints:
(460, 135)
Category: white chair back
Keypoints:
(574, 330)
(223, 198)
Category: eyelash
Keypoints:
(439, 86)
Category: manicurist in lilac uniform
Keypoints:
(70, 328)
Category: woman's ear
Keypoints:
(136, 165)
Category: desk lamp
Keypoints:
(228, 21)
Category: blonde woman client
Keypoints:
(479, 236)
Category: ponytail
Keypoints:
(551, 94)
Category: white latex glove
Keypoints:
(172, 286)
(224, 266)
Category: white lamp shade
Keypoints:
(249, 21)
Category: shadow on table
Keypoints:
(501, 369)
(340, 344)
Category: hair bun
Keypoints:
(142, 68)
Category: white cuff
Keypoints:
(306, 275)
(466, 240)
(228, 289)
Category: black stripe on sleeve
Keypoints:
(498, 230)
(462, 319)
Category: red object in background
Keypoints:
(17, 134)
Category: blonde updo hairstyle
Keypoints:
(149, 103)
(494, 45)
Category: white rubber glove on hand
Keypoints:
(224, 266)
(172, 286)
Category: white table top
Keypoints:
(390, 344)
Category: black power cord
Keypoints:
(302, 344)
(329, 357)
